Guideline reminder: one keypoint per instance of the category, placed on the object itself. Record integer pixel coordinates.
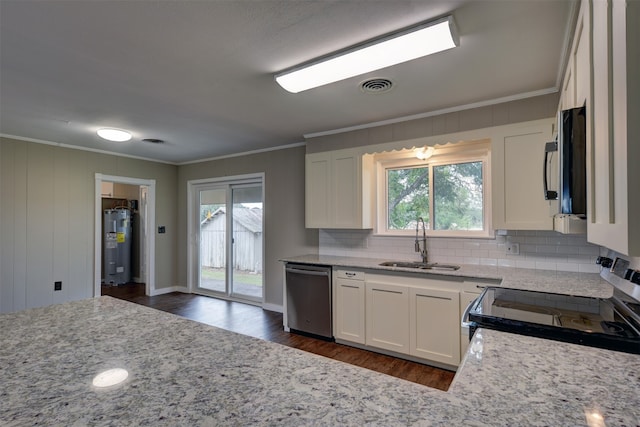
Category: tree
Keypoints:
(408, 197)
(457, 196)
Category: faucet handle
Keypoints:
(417, 246)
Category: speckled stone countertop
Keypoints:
(183, 373)
(561, 282)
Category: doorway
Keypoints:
(226, 238)
(143, 192)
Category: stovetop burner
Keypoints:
(617, 328)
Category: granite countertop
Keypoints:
(187, 373)
(561, 282)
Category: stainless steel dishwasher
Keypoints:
(309, 299)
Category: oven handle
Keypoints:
(464, 322)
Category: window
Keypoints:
(448, 191)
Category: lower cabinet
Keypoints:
(416, 315)
(349, 308)
(387, 316)
(434, 324)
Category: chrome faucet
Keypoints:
(423, 251)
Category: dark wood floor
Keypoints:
(267, 325)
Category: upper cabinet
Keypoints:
(339, 191)
(613, 107)
(577, 78)
(517, 159)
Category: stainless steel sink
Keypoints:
(420, 265)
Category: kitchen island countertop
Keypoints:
(561, 282)
(187, 373)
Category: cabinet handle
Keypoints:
(349, 286)
(349, 274)
(433, 296)
(387, 291)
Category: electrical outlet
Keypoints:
(513, 248)
(57, 286)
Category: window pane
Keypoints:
(458, 197)
(407, 197)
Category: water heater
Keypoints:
(116, 246)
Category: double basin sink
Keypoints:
(420, 265)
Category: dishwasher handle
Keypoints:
(307, 272)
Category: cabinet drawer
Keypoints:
(350, 274)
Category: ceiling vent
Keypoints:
(376, 85)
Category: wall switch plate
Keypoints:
(513, 248)
(57, 286)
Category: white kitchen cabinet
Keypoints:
(613, 151)
(339, 190)
(387, 316)
(434, 324)
(349, 306)
(517, 158)
(317, 190)
(576, 83)
(412, 315)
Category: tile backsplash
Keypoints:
(542, 250)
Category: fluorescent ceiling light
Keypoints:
(114, 135)
(408, 44)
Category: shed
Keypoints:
(247, 238)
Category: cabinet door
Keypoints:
(318, 202)
(346, 190)
(612, 136)
(387, 317)
(435, 325)
(517, 163)
(350, 310)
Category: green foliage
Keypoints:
(407, 196)
(457, 197)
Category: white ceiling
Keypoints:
(199, 74)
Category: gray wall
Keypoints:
(538, 107)
(47, 220)
(284, 233)
(47, 203)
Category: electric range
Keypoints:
(611, 323)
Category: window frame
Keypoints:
(477, 151)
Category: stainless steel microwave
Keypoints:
(571, 144)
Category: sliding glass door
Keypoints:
(213, 239)
(228, 239)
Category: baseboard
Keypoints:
(170, 289)
(272, 307)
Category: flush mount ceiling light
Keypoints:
(115, 135)
(402, 46)
(424, 153)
